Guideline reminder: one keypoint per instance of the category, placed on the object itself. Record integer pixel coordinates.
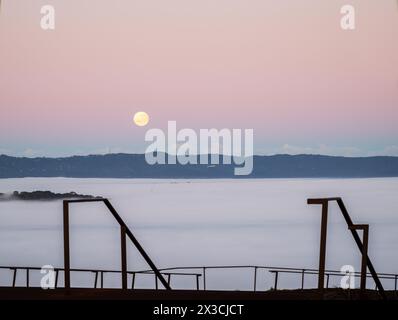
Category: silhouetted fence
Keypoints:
(199, 275)
(165, 275)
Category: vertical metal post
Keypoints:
(197, 282)
(27, 278)
(96, 280)
(102, 279)
(204, 278)
(66, 246)
(365, 240)
(133, 281)
(123, 256)
(276, 281)
(322, 250)
(364, 257)
(56, 278)
(14, 278)
(302, 279)
(255, 279)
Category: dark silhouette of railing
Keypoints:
(98, 273)
(124, 231)
(353, 228)
(201, 272)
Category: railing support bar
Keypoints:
(255, 279)
(27, 277)
(14, 278)
(123, 256)
(66, 245)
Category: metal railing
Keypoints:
(162, 274)
(280, 270)
(98, 275)
(124, 233)
(362, 246)
(201, 273)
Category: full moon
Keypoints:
(141, 118)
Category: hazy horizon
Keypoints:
(220, 154)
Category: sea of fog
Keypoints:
(200, 223)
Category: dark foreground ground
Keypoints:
(144, 294)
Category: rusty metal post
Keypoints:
(56, 278)
(27, 277)
(66, 246)
(255, 279)
(364, 257)
(365, 240)
(133, 281)
(197, 282)
(14, 277)
(96, 280)
(123, 256)
(327, 280)
(204, 278)
(322, 250)
(276, 281)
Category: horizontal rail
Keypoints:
(270, 268)
(263, 267)
(181, 271)
(100, 270)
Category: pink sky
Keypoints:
(284, 68)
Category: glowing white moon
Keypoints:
(141, 118)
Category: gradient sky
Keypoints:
(283, 67)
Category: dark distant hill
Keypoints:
(135, 166)
(43, 195)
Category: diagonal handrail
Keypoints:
(360, 245)
(124, 231)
